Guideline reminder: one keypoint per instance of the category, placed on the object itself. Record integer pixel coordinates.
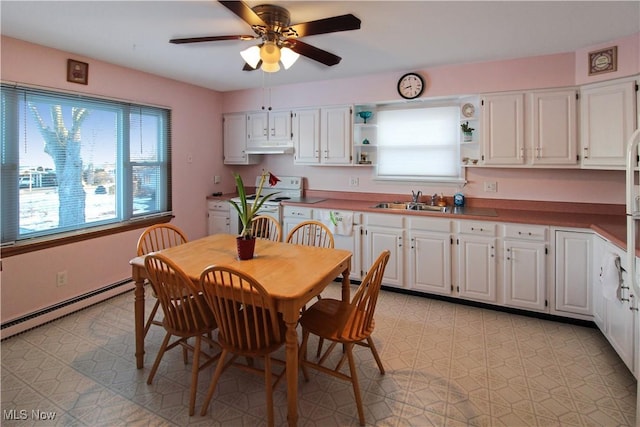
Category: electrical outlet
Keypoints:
(354, 181)
(490, 186)
(216, 179)
(61, 278)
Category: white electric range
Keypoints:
(289, 188)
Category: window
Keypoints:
(419, 144)
(73, 163)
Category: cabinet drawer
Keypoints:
(218, 205)
(525, 232)
(382, 220)
(297, 212)
(477, 228)
(430, 224)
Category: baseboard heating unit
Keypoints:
(64, 308)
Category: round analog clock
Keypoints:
(411, 85)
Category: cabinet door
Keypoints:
(525, 274)
(380, 239)
(430, 262)
(477, 268)
(553, 127)
(503, 129)
(218, 222)
(257, 128)
(280, 126)
(619, 319)
(598, 301)
(573, 286)
(335, 136)
(607, 121)
(306, 136)
(234, 136)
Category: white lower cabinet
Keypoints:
(573, 253)
(382, 232)
(351, 242)
(429, 260)
(476, 261)
(292, 216)
(218, 217)
(524, 273)
(615, 316)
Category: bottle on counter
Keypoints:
(458, 199)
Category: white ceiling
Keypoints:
(396, 36)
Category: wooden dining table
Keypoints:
(292, 274)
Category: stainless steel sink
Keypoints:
(412, 206)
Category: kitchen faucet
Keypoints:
(416, 196)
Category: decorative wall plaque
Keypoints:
(603, 60)
(77, 72)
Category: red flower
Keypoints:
(273, 180)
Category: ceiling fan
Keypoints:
(280, 40)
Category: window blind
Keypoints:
(72, 162)
(419, 143)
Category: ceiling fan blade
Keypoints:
(327, 25)
(248, 67)
(311, 52)
(211, 39)
(244, 12)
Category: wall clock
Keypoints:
(410, 86)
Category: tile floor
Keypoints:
(447, 365)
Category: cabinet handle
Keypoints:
(586, 152)
(537, 152)
(522, 152)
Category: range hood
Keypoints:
(273, 149)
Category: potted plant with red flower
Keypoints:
(248, 209)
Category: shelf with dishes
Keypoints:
(365, 136)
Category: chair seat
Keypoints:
(204, 321)
(331, 319)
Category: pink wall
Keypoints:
(99, 262)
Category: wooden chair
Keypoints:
(255, 330)
(311, 233)
(347, 323)
(266, 227)
(186, 315)
(156, 238)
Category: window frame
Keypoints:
(126, 220)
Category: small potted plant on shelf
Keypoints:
(247, 210)
(467, 131)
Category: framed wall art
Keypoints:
(77, 72)
(603, 60)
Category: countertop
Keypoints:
(609, 220)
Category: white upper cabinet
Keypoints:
(553, 130)
(234, 134)
(269, 128)
(322, 136)
(608, 117)
(306, 136)
(335, 135)
(536, 128)
(503, 129)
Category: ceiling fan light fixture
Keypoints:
(251, 56)
(270, 67)
(288, 57)
(270, 53)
